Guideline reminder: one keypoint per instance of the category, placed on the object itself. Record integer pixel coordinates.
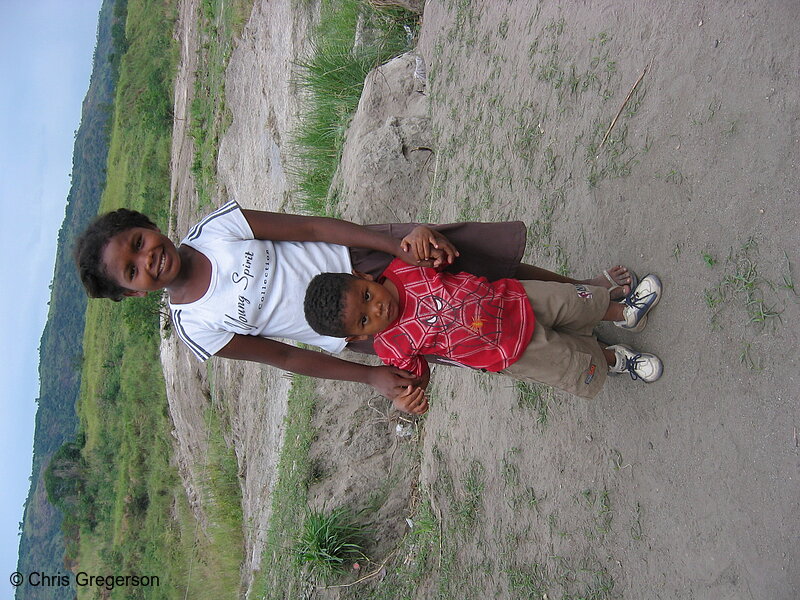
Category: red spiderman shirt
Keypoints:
(459, 316)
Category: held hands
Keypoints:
(428, 248)
(405, 389)
(391, 381)
(412, 400)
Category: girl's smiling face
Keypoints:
(141, 260)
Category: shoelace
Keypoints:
(634, 301)
(630, 365)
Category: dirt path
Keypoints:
(684, 489)
(250, 168)
(701, 469)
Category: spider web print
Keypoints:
(469, 325)
(458, 316)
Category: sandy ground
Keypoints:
(687, 488)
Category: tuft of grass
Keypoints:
(329, 542)
(535, 397)
(713, 297)
(747, 359)
(510, 470)
(220, 23)
(332, 78)
(672, 176)
(743, 280)
(290, 496)
(468, 509)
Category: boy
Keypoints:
(536, 330)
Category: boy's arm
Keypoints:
(389, 381)
(299, 228)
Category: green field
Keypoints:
(132, 516)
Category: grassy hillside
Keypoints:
(41, 545)
(132, 516)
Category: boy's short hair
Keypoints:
(88, 251)
(324, 303)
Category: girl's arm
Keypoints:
(298, 228)
(389, 381)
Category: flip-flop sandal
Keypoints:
(614, 285)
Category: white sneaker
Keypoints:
(640, 365)
(640, 302)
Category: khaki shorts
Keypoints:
(563, 352)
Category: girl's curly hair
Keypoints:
(88, 251)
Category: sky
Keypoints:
(46, 49)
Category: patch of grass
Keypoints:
(615, 159)
(602, 514)
(732, 128)
(328, 543)
(674, 175)
(289, 497)
(748, 360)
(742, 280)
(559, 576)
(527, 134)
(550, 164)
(562, 260)
(530, 581)
(502, 29)
(712, 297)
(528, 498)
(332, 79)
(222, 501)
(708, 259)
(468, 509)
(556, 27)
(535, 397)
(509, 470)
(219, 23)
(420, 554)
(635, 102)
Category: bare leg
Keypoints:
(611, 356)
(619, 274)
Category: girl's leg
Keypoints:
(619, 274)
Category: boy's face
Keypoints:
(368, 308)
(141, 260)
